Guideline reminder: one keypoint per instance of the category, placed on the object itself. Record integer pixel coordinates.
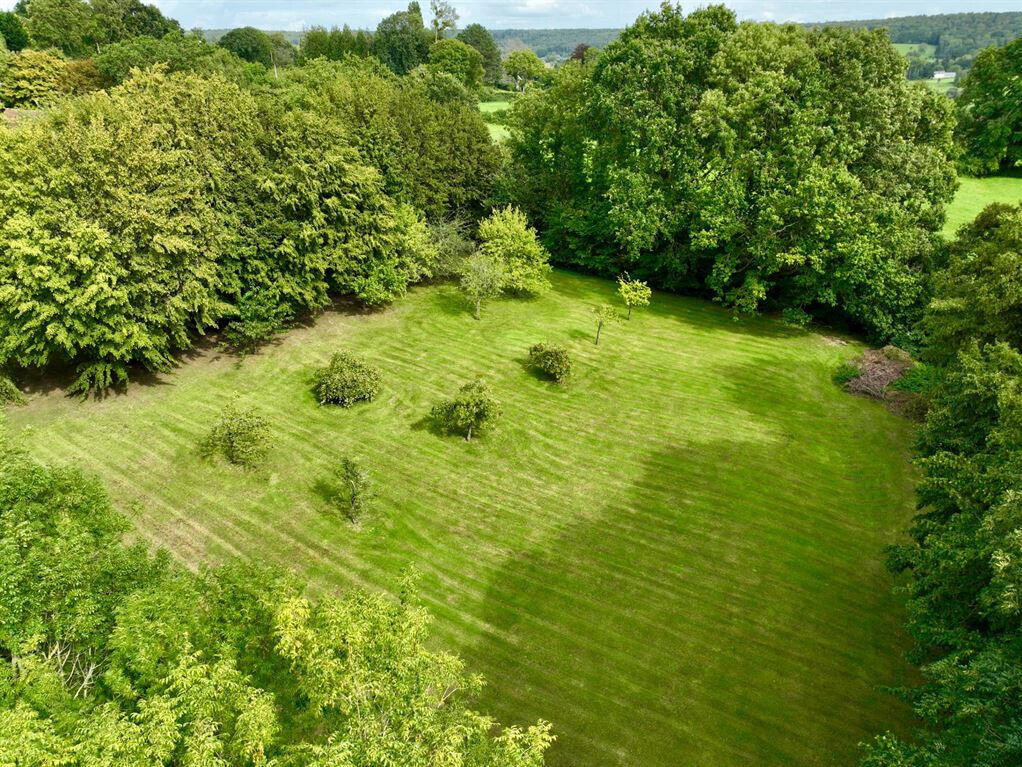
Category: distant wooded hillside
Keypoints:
(557, 43)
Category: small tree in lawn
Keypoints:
(482, 277)
(346, 380)
(239, 435)
(472, 410)
(633, 293)
(604, 315)
(355, 491)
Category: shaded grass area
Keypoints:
(676, 558)
(974, 194)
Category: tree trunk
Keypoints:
(599, 327)
(468, 436)
(478, 309)
(629, 311)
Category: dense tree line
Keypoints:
(133, 220)
(963, 567)
(116, 657)
(743, 161)
(958, 37)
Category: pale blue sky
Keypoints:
(502, 14)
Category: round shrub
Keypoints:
(239, 435)
(9, 393)
(551, 360)
(346, 380)
(472, 410)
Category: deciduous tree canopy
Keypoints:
(744, 161)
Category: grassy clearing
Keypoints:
(676, 558)
(929, 50)
(497, 132)
(974, 194)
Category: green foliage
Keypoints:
(437, 157)
(239, 435)
(921, 378)
(552, 360)
(178, 53)
(523, 67)
(13, 32)
(334, 44)
(70, 26)
(469, 412)
(138, 223)
(355, 489)
(453, 247)
(249, 44)
(261, 316)
(401, 41)
(9, 393)
(445, 18)
(633, 292)
(989, 120)
(459, 60)
(479, 38)
(482, 276)
(113, 657)
(604, 315)
(33, 79)
(846, 372)
(347, 379)
(506, 237)
(740, 160)
(978, 293)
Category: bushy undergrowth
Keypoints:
(9, 393)
(347, 379)
(470, 411)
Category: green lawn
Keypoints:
(497, 132)
(905, 49)
(676, 558)
(974, 194)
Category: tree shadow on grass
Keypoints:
(713, 613)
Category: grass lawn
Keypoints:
(974, 194)
(497, 132)
(929, 50)
(676, 558)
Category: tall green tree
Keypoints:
(523, 67)
(445, 18)
(12, 30)
(480, 38)
(741, 161)
(401, 40)
(249, 44)
(459, 60)
(68, 25)
(989, 111)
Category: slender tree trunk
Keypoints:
(478, 309)
(468, 436)
(599, 327)
(629, 311)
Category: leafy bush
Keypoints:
(453, 247)
(346, 380)
(249, 44)
(470, 411)
(33, 79)
(261, 316)
(846, 372)
(354, 489)
(507, 237)
(918, 379)
(240, 435)
(12, 31)
(552, 360)
(9, 393)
